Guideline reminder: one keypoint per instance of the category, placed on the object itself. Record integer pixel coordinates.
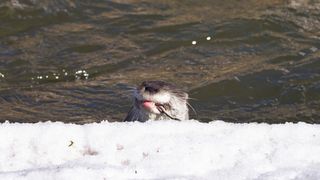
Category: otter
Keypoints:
(158, 100)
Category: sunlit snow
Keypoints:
(159, 150)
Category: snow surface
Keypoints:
(159, 150)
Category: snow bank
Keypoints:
(159, 150)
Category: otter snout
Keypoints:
(150, 87)
(156, 100)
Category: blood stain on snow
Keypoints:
(90, 152)
(125, 162)
(145, 155)
(119, 147)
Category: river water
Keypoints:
(240, 61)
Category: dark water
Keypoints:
(77, 61)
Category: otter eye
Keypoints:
(151, 89)
(167, 106)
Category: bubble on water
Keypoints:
(57, 77)
(302, 53)
(313, 49)
(47, 76)
(66, 74)
(194, 42)
(236, 78)
(1, 75)
(82, 74)
(284, 70)
(17, 4)
(208, 38)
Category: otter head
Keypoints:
(158, 100)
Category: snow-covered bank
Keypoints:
(161, 150)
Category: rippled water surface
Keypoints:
(240, 61)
